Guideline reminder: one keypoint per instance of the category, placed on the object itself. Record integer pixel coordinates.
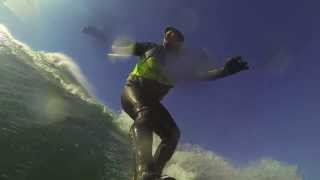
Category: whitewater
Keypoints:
(53, 127)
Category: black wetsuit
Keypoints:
(141, 100)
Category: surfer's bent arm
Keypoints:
(212, 74)
(232, 66)
(133, 48)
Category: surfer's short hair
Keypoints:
(179, 33)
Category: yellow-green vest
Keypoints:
(149, 66)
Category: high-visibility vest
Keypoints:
(149, 66)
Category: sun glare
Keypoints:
(23, 9)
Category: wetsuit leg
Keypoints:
(140, 110)
(169, 133)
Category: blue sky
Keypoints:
(270, 111)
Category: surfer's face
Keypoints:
(171, 41)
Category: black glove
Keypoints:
(235, 64)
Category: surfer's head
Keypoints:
(173, 39)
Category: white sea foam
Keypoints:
(60, 66)
(192, 162)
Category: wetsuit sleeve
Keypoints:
(202, 67)
(142, 47)
(212, 74)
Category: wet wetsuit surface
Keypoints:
(141, 100)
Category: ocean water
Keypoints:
(52, 127)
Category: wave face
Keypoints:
(52, 128)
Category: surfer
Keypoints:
(159, 68)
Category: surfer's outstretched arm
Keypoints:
(232, 66)
(132, 48)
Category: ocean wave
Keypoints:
(48, 113)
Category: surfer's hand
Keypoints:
(235, 64)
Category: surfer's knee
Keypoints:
(144, 117)
(174, 136)
(177, 134)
